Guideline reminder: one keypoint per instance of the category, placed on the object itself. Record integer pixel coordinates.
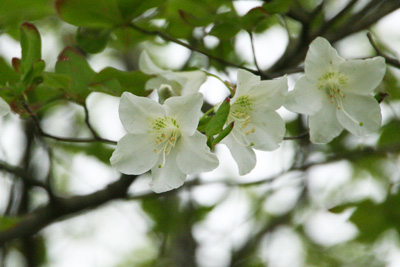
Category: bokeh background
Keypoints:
(341, 210)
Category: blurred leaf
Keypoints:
(7, 73)
(90, 13)
(131, 9)
(253, 17)
(12, 13)
(73, 64)
(8, 222)
(390, 134)
(390, 85)
(373, 219)
(31, 46)
(115, 82)
(56, 80)
(219, 119)
(225, 30)
(92, 40)
(277, 6)
(98, 150)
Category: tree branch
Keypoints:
(62, 208)
(389, 60)
(188, 46)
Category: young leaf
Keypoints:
(129, 81)
(7, 74)
(218, 120)
(31, 46)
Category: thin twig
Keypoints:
(64, 139)
(389, 60)
(254, 51)
(188, 46)
(296, 137)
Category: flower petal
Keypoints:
(360, 115)
(4, 107)
(324, 125)
(269, 129)
(245, 80)
(321, 58)
(136, 113)
(243, 155)
(194, 156)
(186, 110)
(192, 81)
(305, 98)
(134, 154)
(363, 76)
(147, 65)
(270, 94)
(169, 176)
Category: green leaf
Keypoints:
(59, 81)
(31, 46)
(277, 6)
(90, 13)
(73, 64)
(32, 78)
(218, 120)
(12, 13)
(8, 222)
(115, 82)
(7, 74)
(225, 30)
(92, 40)
(253, 17)
(131, 9)
(225, 132)
(390, 134)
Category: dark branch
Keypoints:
(62, 208)
(389, 60)
(188, 46)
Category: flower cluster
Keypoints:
(169, 139)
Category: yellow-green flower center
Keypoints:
(240, 113)
(332, 82)
(166, 132)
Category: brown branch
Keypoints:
(389, 60)
(62, 208)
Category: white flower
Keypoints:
(257, 124)
(169, 83)
(336, 93)
(163, 138)
(4, 107)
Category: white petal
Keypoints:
(269, 130)
(167, 177)
(245, 80)
(4, 107)
(321, 58)
(324, 125)
(186, 110)
(194, 156)
(134, 154)
(243, 155)
(192, 81)
(360, 115)
(147, 65)
(136, 113)
(270, 94)
(363, 76)
(305, 98)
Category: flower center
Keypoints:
(331, 82)
(166, 133)
(240, 113)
